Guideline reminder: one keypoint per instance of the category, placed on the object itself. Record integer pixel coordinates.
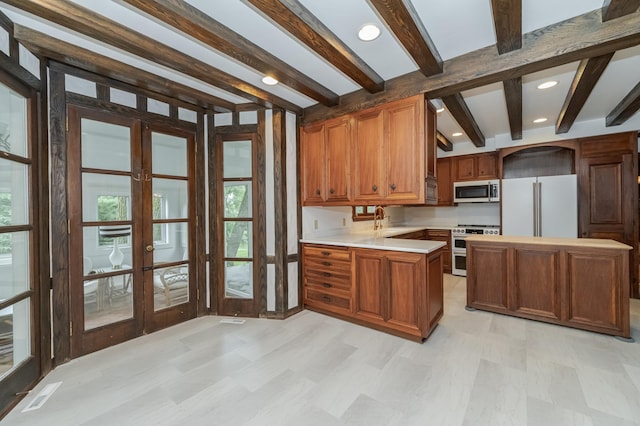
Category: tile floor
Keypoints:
(477, 368)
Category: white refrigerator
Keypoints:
(545, 206)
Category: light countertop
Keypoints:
(577, 242)
(384, 240)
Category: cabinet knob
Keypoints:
(393, 187)
(331, 191)
(326, 263)
(326, 285)
(317, 192)
(374, 188)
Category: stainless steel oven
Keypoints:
(459, 245)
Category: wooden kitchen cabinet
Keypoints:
(445, 181)
(608, 198)
(476, 166)
(326, 163)
(431, 154)
(388, 158)
(398, 292)
(368, 151)
(580, 283)
(327, 280)
(443, 235)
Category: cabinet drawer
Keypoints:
(329, 299)
(322, 275)
(322, 284)
(328, 264)
(437, 233)
(327, 253)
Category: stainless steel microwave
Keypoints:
(476, 191)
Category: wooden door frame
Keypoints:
(36, 366)
(59, 100)
(258, 303)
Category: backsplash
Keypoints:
(320, 221)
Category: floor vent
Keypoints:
(232, 321)
(42, 397)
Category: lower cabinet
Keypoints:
(396, 292)
(580, 286)
(443, 235)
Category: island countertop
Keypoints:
(577, 242)
(384, 240)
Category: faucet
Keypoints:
(378, 217)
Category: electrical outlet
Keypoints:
(315, 224)
(344, 221)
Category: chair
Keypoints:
(91, 287)
(174, 284)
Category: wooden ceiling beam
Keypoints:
(507, 20)
(460, 111)
(191, 21)
(626, 108)
(89, 23)
(404, 22)
(294, 18)
(612, 9)
(588, 74)
(443, 143)
(544, 48)
(63, 52)
(513, 98)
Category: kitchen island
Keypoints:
(389, 284)
(575, 282)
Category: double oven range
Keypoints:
(459, 246)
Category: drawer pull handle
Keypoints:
(317, 192)
(393, 186)
(327, 298)
(326, 263)
(332, 191)
(374, 188)
(326, 285)
(325, 253)
(326, 274)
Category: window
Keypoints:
(363, 213)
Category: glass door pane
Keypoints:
(107, 202)
(16, 234)
(237, 204)
(170, 200)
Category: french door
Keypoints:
(131, 191)
(238, 290)
(20, 286)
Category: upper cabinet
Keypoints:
(476, 167)
(375, 156)
(326, 162)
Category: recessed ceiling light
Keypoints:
(547, 84)
(540, 120)
(456, 134)
(270, 81)
(368, 32)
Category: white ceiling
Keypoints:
(456, 27)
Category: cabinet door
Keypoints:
(536, 288)
(444, 236)
(445, 185)
(312, 147)
(338, 157)
(404, 151)
(487, 277)
(406, 277)
(369, 178)
(487, 166)
(466, 168)
(370, 287)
